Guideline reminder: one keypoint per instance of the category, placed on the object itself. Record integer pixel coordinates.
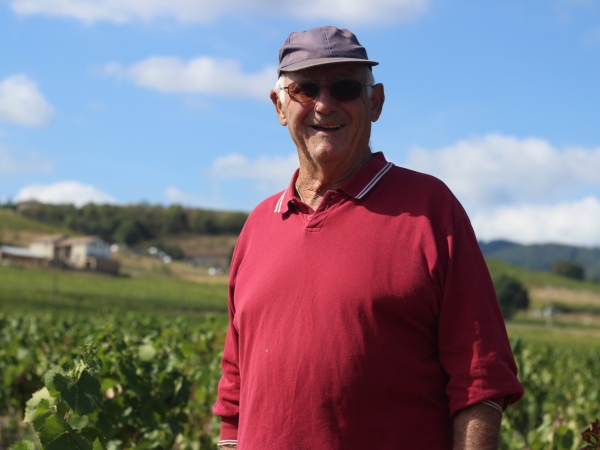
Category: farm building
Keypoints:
(88, 252)
(46, 245)
(20, 255)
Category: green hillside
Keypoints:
(12, 222)
(537, 279)
(19, 231)
(542, 256)
(135, 223)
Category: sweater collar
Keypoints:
(356, 187)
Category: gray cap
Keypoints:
(319, 46)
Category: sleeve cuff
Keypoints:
(496, 403)
(229, 430)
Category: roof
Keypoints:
(20, 251)
(52, 238)
(79, 240)
(21, 206)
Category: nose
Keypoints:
(325, 103)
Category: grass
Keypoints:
(537, 279)
(146, 266)
(555, 336)
(20, 231)
(580, 300)
(88, 292)
(10, 221)
(150, 286)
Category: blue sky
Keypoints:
(166, 101)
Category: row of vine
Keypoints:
(149, 382)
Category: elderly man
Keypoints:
(362, 315)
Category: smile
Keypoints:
(326, 127)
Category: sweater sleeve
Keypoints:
(227, 404)
(473, 345)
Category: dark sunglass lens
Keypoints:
(303, 92)
(346, 90)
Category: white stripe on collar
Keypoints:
(279, 202)
(374, 181)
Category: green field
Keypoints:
(159, 289)
(27, 289)
(47, 315)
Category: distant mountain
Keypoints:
(541, 256)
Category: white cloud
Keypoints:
(22, 103)
(277, 169)
(64, 192)
(122, 11)
(574, 222)
(499, 170)
(175, 195)
(31, 162)
(200, 75)
(358, 11)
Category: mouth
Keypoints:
(326, 127)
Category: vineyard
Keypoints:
(129, 364)
(158, 381)
(157, 378)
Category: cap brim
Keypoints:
(324, 61)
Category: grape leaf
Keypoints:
(563, 438)
(93, 363)
(34, 401)
(78, 422)
(56, 434)
(38, 408)
(49, 379)
(37, 416)
(83, 395)
(23, 445)
(147, 352)
(591, 436)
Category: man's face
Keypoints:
(327, 130)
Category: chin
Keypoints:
(327, 153)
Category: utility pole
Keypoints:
(549, 311)
(4, 227)
(54, 285)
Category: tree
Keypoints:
(174, 220)
(231, 222)
(511, 294)
(128, 232)
(174, 251)
(569, 269)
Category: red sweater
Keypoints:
(365, 324)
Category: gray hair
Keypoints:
(369, 79)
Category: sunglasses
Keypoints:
(308, 91)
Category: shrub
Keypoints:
(511, 294)
(569, 269)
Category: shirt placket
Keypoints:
(315, 219)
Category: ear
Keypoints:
(377, 99)
(279, 107)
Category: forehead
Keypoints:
(329, 71)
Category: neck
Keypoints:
(314, 180)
